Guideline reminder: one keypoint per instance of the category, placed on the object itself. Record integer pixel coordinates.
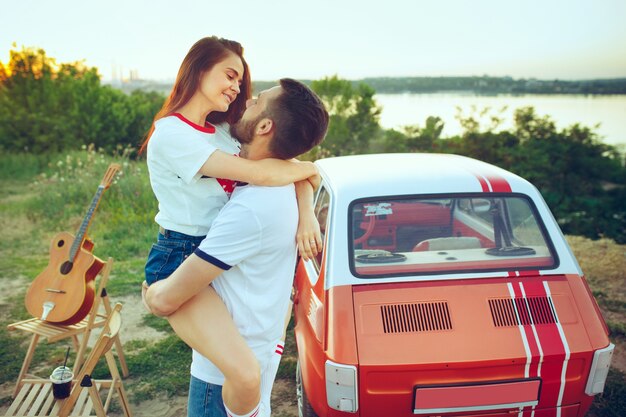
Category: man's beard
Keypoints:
(243, 130)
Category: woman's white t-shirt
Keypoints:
(177, 149)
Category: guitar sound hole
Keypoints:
(66, 267)
(60, 243)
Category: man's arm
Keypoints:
(308, 238)
(234, 236)
(166, 296)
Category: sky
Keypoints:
(353, 39)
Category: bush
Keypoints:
(46, 107)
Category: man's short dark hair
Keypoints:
(300, 120)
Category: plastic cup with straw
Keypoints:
(62, 379)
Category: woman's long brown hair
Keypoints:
(201, 58)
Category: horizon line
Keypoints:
(620, 78)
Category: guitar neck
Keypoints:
(82, 231)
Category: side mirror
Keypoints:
(480, 205)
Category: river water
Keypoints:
(608, 112)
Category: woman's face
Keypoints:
(220, 85)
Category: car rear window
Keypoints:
(429, 235)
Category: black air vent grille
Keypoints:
(525, 311)
(418, 317)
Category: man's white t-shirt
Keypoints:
(253, 240)
(177, 149)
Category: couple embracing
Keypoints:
(231, 221)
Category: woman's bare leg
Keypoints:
(206, 326)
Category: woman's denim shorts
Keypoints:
(168, 253)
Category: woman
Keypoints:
(193, 167)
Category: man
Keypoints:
(249, 254)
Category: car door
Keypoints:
(309, 312)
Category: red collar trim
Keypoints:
(207, 128)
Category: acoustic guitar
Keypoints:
(64, 292)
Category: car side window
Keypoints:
(321, 212)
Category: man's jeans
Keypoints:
(205, 400)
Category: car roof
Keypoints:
(349, 178)
(362, 176)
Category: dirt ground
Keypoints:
(283, 404)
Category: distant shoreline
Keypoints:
(602, 113)
(496, 85)
(424, 85)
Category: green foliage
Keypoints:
(617, 329)
(354, 116)
(412, 138)
(481, 85)
(128, 270)
(287, 366)
(47, 107)
(10, 357)
(495, 85)
(24, 165)
(126, 208)
(164, 369)
(160, 368)
(158, 323)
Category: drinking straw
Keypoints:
(67, 354)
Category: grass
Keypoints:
(159, 368)
(612, 402)
(43, 195)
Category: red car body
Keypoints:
(445, 287)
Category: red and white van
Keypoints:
(445, 287)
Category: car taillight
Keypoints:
(341, 387)
(599, 370)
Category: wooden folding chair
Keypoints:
(53, 332)
(35, 398)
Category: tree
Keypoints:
(414, 138)
(354, 116)
(581, 177)
(47, 107)
(26, 91)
